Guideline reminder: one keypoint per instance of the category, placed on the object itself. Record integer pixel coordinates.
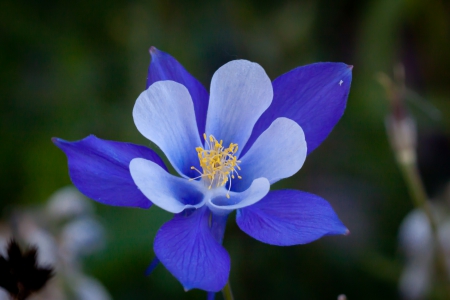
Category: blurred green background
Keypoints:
(73, 68)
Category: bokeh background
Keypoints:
(73, 68)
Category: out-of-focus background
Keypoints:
(73, 68)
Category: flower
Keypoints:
(420, 276)
(228, 147)
(61, 233)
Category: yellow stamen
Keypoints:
(219, 164)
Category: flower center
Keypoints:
(219, 164)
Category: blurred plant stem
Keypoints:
(417, 191)
(227, 293)
(402, 133)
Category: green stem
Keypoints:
(227, 293)
(419, 196)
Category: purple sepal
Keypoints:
(165, 67)
(187, 248)
(211, 296)
(289, 217)
(314, 96)
(100, 169)
(155, 262)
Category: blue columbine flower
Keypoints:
(228, 147)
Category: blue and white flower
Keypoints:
(227, 146)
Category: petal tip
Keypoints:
(58, 142)
(350, 67)
(153, 50)
(347, 232)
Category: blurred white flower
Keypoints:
(88, 288)
(68, 202)
(416, 242)
(4, 295)
(63, 231)
(33, 234)
(82, 237)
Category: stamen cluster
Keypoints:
(219, 164)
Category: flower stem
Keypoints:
(227, 293)
(402, 134)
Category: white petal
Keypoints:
(240, 92)
(164, 114)
(221, 204)
(171, 193)
(279, 152)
